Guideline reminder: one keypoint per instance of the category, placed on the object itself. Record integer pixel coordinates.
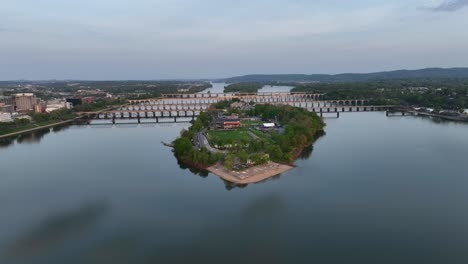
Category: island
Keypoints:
(249, 87)
(244, 142)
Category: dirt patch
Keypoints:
(251, 175)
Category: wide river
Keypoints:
(375, 189)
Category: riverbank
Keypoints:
(252, 175)
(37, 128)
(42, 126)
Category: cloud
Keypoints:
(451, 5)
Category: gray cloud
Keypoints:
(451, 5)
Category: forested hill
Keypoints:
(429, 73)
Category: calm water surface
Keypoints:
(374, 190)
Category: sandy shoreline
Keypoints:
(251, 175)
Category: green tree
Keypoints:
(182, 146)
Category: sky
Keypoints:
(172, 39)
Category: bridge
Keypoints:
(188, 106)
(226, 96)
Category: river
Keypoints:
(375, 189)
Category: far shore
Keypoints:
(47, 126)
(252, 175)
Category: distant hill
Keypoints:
(429, 73)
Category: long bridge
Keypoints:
(177, 106)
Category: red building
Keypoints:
(228, 123)
(87, 100)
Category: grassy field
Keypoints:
(251, 123)
(233, 135)
(262, 135)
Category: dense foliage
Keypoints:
(440, 93)
(99, 104)
(57, 116)
(38, 119)
(11, 127)
(301, 129)
(184, 149)
(130, 89)
(251, 87)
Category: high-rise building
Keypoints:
(25, 101)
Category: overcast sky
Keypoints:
(154, 39)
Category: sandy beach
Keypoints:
(251, 175)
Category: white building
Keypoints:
(5, 117)
(269, 125)
(57, 105)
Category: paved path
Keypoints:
(253, 135)
(201, 141)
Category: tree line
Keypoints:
(436, 93)
(248, 87)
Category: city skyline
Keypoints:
(185, 39)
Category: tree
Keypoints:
(229, 161)
(182, 146)
(243, 156)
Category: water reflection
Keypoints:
(6, 142)
(254, 235)
(200, 172)
(232, 185)
(55, 231)
(33, 137)
(119, 249)
(59, 128)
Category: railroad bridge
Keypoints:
(176, 106)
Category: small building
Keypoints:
(74, 101)
(269, 125)
(24, 117)
(6, 100)
(228, 123)
(40, 107)
(55, 106)
(6, 108)
(5, 117)
(87, 100)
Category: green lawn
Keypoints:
(251, 123)
(234, 135)
(264, 136)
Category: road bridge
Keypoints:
(158, 115)
(176, 106)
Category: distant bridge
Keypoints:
(177, 106)
(289, 96)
